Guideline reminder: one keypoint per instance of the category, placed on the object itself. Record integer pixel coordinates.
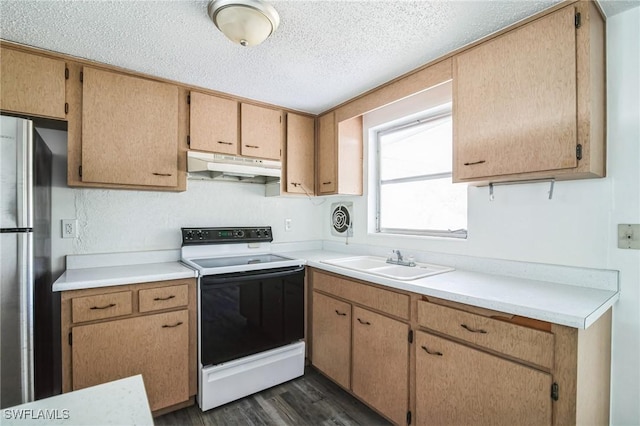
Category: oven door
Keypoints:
(249, 312)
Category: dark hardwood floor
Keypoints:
(309, 400)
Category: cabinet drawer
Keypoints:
(383, 300)
(525, 343)
(101, 306)
(155, 299)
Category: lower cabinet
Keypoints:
(365, 352)
(459, 385)
(381, 363)
(156, 346)
(115, 332)
(331, 351)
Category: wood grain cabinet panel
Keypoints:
(380, 366)
(513, 340)
(155, 299)
(129, 130)
(339, 155)
(156, 346)
(32, 84)
(527, 104)
(213, 124)
(299, 165)
(331, 331)
(261, 132)
(101, 306)
(458, 385)
(387, 301)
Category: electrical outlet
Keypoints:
(629, 236)
(287, 224)
(69, 228)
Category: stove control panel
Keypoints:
(193, 236)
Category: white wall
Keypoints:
(578, 227)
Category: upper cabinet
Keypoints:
(339, 155)
(130, 130)
(261, 132)
(213, 125)
(32, 84)
(530, 103)
(299, 153)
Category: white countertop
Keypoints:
(75, 279)
(577, 298)
(121, 402)
(563, 304)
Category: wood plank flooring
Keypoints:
(309, 400)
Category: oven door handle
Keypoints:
(208, 280)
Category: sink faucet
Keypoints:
(400, 260)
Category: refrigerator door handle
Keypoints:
(24, 171)
(26, 280)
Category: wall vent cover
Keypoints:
(341, 219)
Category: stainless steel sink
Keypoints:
(379, 266)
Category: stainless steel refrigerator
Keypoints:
(26, 319)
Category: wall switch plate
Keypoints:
(287, 224)
(69, 228)
(629, 236)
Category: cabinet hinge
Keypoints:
(188, 140)
(66, 108)
(81, 77)
(66, 73)
(80, 170)
(70, 339)
(188, 99)
(408, 417)
(578, 20)
(579, 152)
(554, 392)
(410, 336)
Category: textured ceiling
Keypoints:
(323, 53)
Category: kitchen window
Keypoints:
(415, 193)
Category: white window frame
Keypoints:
(433, 115)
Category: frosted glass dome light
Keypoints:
(246, 22)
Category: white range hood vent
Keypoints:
(208, 166)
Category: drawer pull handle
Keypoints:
(162, 174)
(164, 298)
(431, 353)
(172, 326)
(364, 322)
(479, 330)
(475, 162)
(110, 305)
(252, 146)
(225, 143)
(326, 183)
(342, 314)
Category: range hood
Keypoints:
(208, 166)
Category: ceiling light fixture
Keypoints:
(246, 22)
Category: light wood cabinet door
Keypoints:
(32, 84)
(300, 156)
(213, 124)
(156, 346)
(129, 130)
(327, 158)
(380, 365)
(514, 101)
(261, 132)
(331, 334)
(458, 385)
